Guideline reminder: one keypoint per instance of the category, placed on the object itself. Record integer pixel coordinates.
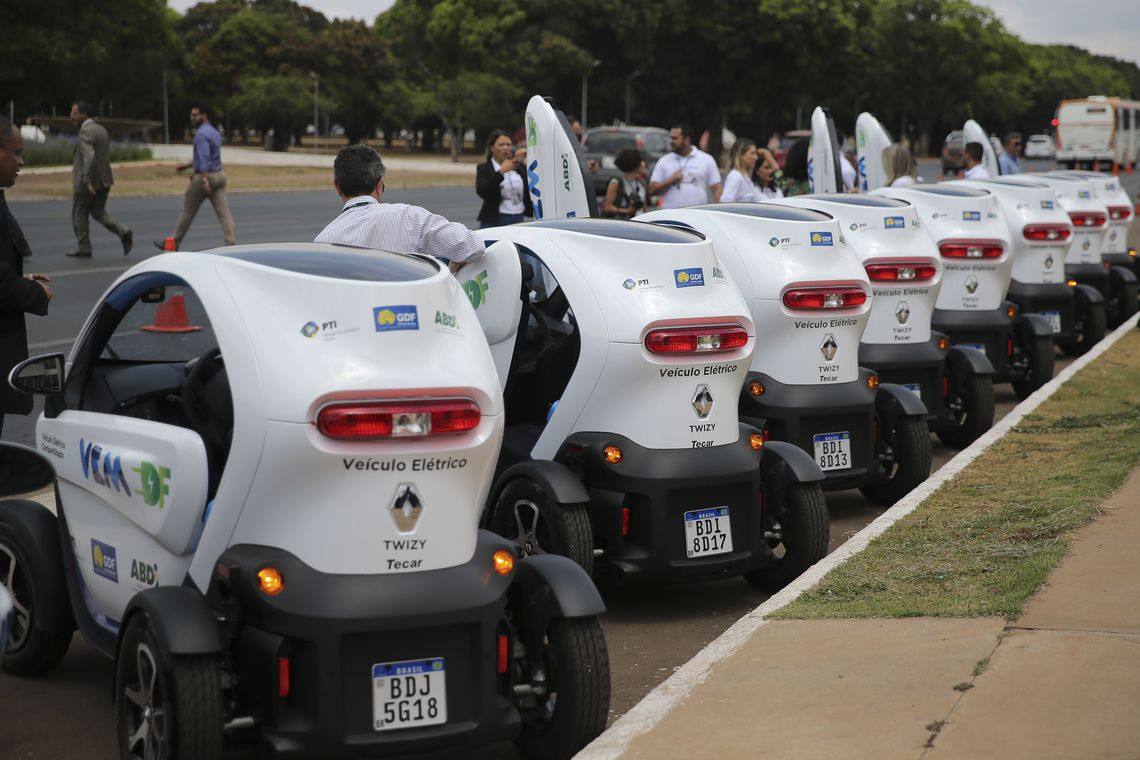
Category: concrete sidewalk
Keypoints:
(1063, 681)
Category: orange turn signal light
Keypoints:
(756, 441)
(613, 454)
(756, 388)
(270, 581)
(1071, 283)
(503, 561)
(1011, 311)
(1108, 265)
(943, 343)
(872, 381)
(1131, 251)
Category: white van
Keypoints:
(1098, 128)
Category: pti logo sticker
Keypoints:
(894, 223)
(104, 560)
(629, 283)
(389, 318)
(689, 278)
(309, 329)
(971, 216)
(821, 238)
(774, 242)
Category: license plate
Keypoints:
(979, 346)
(707, 532)
(409, 694)
(833, 450)
(1054, 319)
(914, 388)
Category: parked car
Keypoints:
(952, 160)
(601, 144)
(787, 141)
(1039, 146)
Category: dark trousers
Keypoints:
(85, 205)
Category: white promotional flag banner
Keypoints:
(972, 132)
(823, 164)
(870, 142)
(560, 187)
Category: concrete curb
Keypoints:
(656, 705)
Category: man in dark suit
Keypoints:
(19, 293)
(91, 182)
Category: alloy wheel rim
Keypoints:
(146, 713)
(14, 579)
(526, 536)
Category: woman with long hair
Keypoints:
(899, 166)
(501, 183)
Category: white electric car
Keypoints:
(1040, 232)
(623, 448)
(1120, 208)
(1085, 261)
(905, 272)
(810, 300)
(967, 225)
(271, 522)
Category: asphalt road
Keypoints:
(68, 714)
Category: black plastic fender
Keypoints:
(783, 463)
(1122, 275)
(552, 586)
(181, 619)
(894, 401)
(555, 478)
(1028, 326)
(962, 360)
(1088, 293)
(23, 470)
(34, 527)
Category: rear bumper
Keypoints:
(990, 330)
(334, 628)
(797, 413)
(909, 365)
(1038, 298)
(658, 486)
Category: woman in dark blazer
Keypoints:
(501, 184)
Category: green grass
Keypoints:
(984, 542)
(59, 152)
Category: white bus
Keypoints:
(1098, 129)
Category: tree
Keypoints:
(275, 103)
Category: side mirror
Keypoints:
(40, 374)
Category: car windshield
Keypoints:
(610, 142)
(655, 142)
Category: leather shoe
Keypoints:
(128, 241)
(80, 254)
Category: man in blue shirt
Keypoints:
(207, 182)
(1007, 161)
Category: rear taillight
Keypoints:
(696, 340)
(909, 271)
(1088, 218)
(397, 419)
(1048, 232)
(823, 299)
(971, 249)
(1119, 213)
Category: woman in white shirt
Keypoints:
(899, 166)
(738, 185)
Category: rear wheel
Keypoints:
(30, 650)
(1089, 327)
(972, 404)
(907, 454)
(1038, 366)
(527, 515)
(1122, 303)
(798, 541)
(576, 702)
(167, 706)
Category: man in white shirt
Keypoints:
(686, 175)
(972, 158)
(364, 222)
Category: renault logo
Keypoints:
(1085, 245)
(971, 284)
(406, 508)
(902, 312)
(829, 347)
(702, 401)
(1049, 261)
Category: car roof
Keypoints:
(769, 211)
(335, 261)
(621, 230)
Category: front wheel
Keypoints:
(167, 706)
(798, 541)
(907, 451)
(30, 649)
(525, 514)
(972, 405)
(576, 703)
(1038, 366)
(1089, 328)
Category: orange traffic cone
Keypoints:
(169, 244)
(170, 316)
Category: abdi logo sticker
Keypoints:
(821, 238)
(388, 318)
(894, 223)
(688, 278)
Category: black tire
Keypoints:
(30, 650)
(527, 515)
(910, 441)
(806, 533)
(1089, 328)
(171, 702)
(1040, 360)
(1122, 304)
(976, 411)
(578, 676)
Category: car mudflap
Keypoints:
(562, 485)
(963, 360)
(782, 464)
(1028, 326)
(893, 402)
(1088, 293)
(180, 617)
(549, 586)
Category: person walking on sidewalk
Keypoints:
(20, 293)
(91, 182)
(207, 182)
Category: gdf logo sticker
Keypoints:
(476, 289)
(894, 223)
(689, 278)
(821, 238)
(971, 216)
(389, 318)
(104, 561)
